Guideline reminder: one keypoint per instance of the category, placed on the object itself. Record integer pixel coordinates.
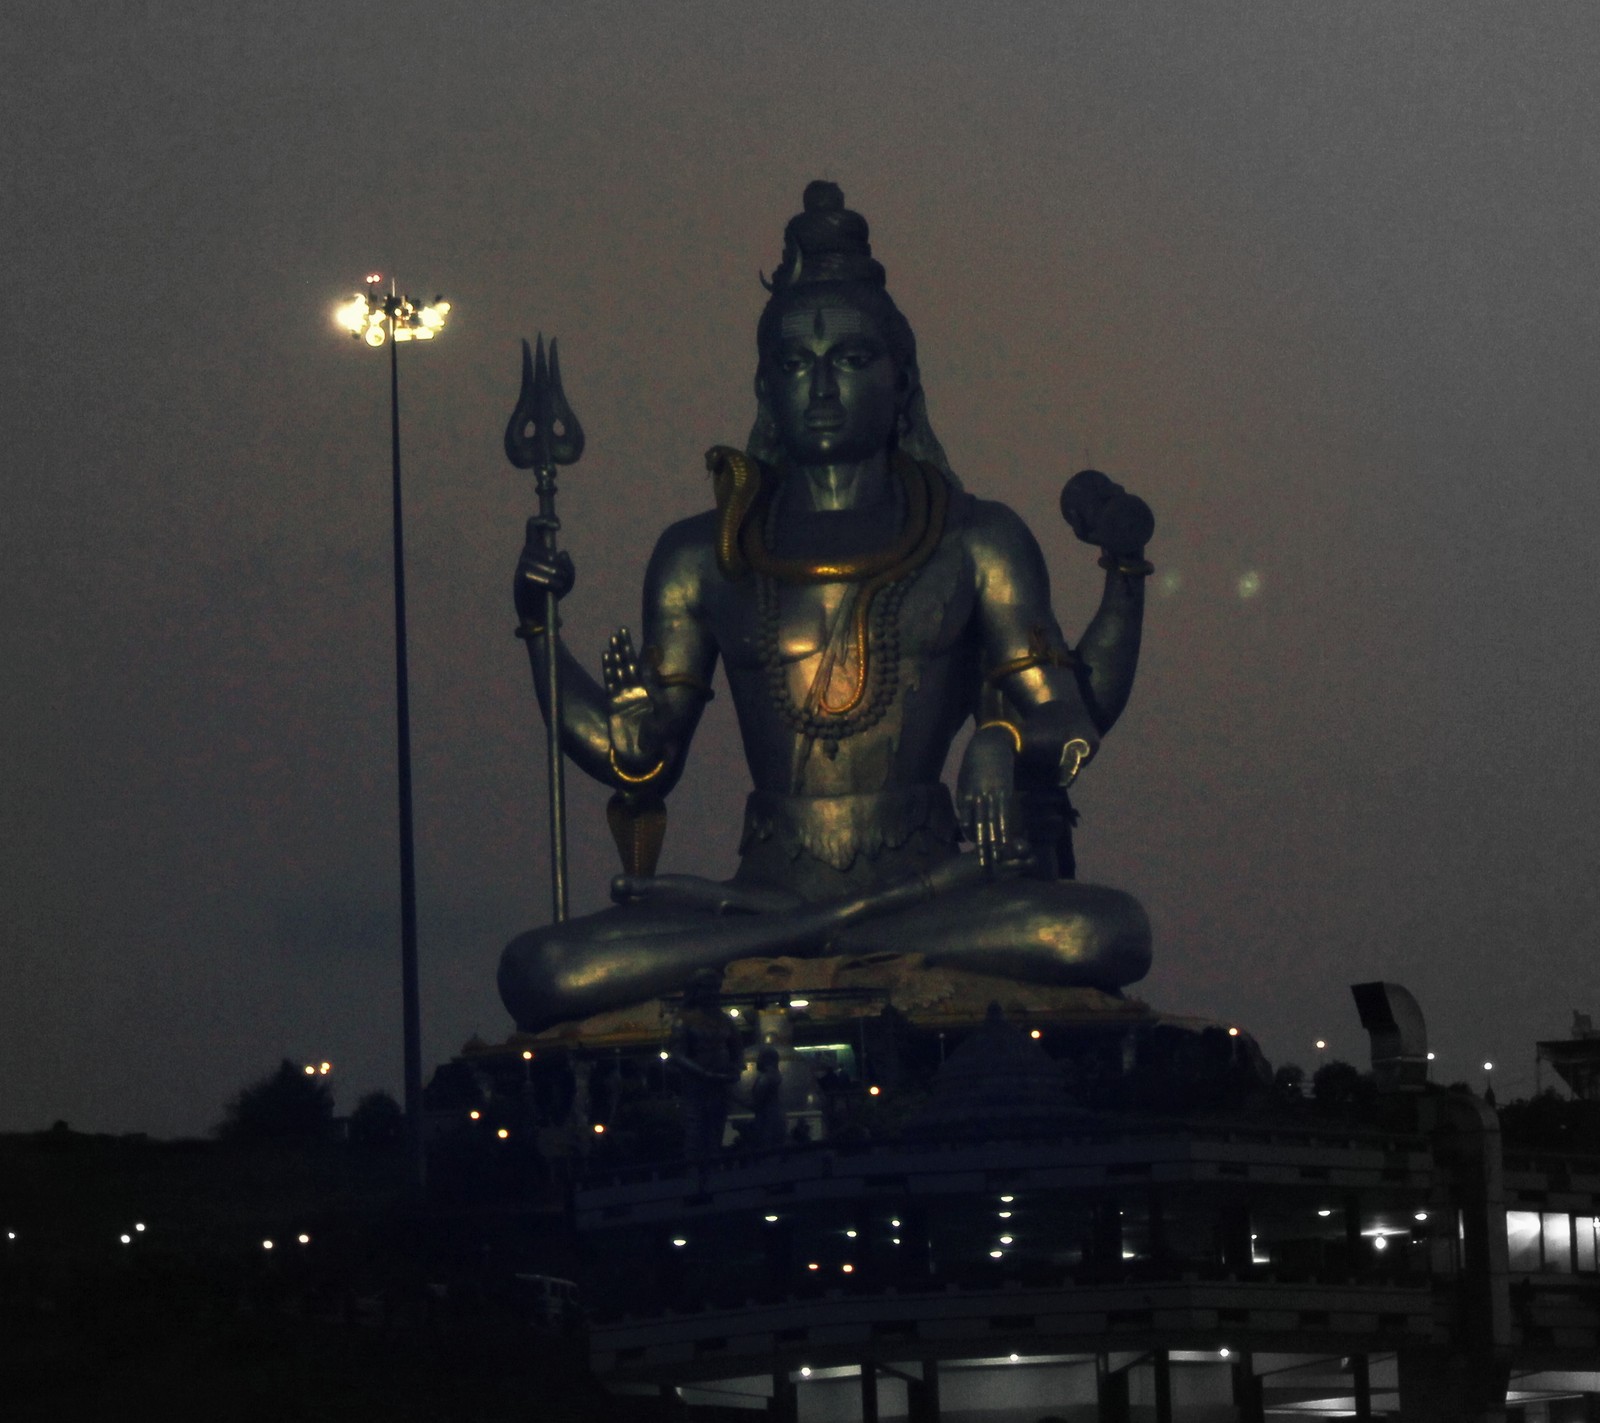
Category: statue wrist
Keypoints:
(635, 779)
(1131, 565)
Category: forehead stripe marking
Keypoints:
(823, 321)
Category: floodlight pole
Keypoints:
(411, 1008)
(374, 317)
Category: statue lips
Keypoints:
(826, 417)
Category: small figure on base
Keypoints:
(708, 1049)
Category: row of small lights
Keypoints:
(894, 1224)
(139, 1228)
(1223, 1353)
(873, 1091)
(1322, 1046)
(771, 1218)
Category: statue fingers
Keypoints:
(1082, 499)
(1125, 524)
(611, 669)
(983, 830)
(627, 658)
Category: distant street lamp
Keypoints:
(376, 316)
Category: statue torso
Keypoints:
(775, 636)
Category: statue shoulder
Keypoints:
(996, 530)
(686, 553)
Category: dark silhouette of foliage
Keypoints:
(286, 1105)
(1289, 1083)
(1340, 1090)
(1552, 1122)
(378, 1121)
(454, 1086)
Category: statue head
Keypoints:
(703, 988)
(836, 375)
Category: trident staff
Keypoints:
(543, 433)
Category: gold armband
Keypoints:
(529, 630)
(1039, 654)
(683, 679)
(686, 680)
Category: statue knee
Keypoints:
(1119, 937)
(533, 980)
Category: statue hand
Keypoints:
(1100, 511)
(537, 571)
(630, 706)
(986, 798)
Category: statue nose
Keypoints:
(824, 383)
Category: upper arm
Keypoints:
(1016, 623)
(677, 634)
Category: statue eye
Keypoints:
(856, 358)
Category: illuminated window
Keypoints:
(1557, 1231)
(1522, 1239)
(1585, 1230)
(1541, 1241)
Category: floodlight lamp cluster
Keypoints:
(374, 315)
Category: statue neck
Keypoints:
(862, 484)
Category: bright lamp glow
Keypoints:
(374, 315)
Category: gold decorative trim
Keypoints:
(1039, 654)
(1016, 732)
(631, 780)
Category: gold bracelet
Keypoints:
(1016, 734)
(1132, 567)
(529, 630)
(625, 778)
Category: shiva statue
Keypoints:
(863, 605)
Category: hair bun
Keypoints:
(823, 196)
(825, 243)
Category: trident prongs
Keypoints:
(543, 431)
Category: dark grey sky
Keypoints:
(1319, 281)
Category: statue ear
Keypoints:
(906, 386)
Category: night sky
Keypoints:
(1319, 281)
